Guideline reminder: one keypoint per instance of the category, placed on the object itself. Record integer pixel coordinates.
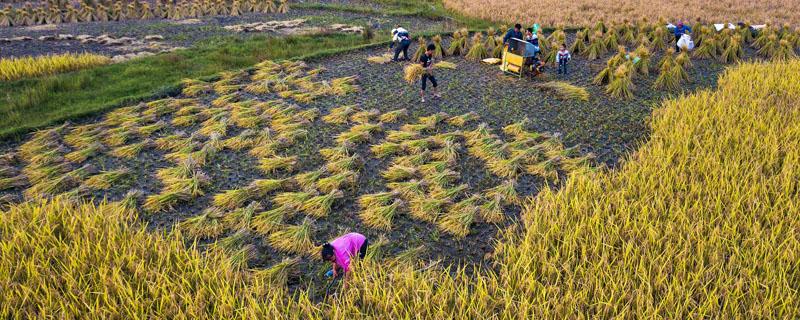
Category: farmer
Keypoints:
(531, 37)
(341, 251)
(401, 37)
(680, 30)
(427, 63)
(513, 33)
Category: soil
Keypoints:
(607, 127)
(185, 33)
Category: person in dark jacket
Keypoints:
(680, 29)
(402, 38)
(515, 32)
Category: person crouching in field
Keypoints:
(341, 251)
(402, 39)
(427, 63)
(679, 30)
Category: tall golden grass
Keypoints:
(701, 222)
(582, 13)
(26, 67)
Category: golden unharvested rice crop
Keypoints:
(701, 222)
(583, 13)
(27, 67)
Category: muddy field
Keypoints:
(607, 128)
(185, 33)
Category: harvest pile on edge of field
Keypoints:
(622, 69)
(25, 67)
(59, 11)
(587, 12)
(702, 221)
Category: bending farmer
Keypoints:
(400, 37)
(679, 30)
(341, 251)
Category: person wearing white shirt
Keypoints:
(402, 39)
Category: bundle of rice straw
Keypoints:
(382, 59)
(444, 65)
(413, 72)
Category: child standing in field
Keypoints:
(427, 63)
(341, 251)
(562, 57)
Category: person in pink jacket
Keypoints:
(342, 250)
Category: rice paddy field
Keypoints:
(644, 183)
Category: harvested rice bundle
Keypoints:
(622, 85)
(427, 209)
(393, 116)
(376, 199)
(408, 189)
(444, 65)
(442, 192)
(344, 164)
(643, 65)
(365, 116)
(382, 59)
(505, 191)
(566, 90)
(267, 222)
(708, 49)
(308, 179)
(658, 38)
(381, 217)
(106, 179)
(547, 169)
(274, 277)
(320, 206)
(292, 201)
(206, 225)
(331, 154)
(337, 181)
(507, 168)
(294, 238)
(458, 43)
(667, 77)
(408, 256)
(477, 50)
(81, 155)
(340, 115)
(413, 72)
(421, 47)
(597, 46)
(376, 249)
(579, 46)
(683, 59)
(460, 121)
(491, 210)
(386, 149)
(459, 217)
(399, 172)
(438, 51)
(240, 218)
(275, 163)
(195, 88)
(131, 151)
(785, 51)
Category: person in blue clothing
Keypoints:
(680, 29)
(515, 32)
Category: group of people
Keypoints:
(531, 50)
(401, 40)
